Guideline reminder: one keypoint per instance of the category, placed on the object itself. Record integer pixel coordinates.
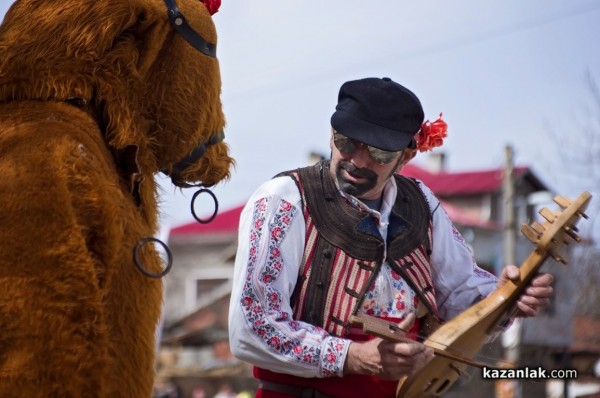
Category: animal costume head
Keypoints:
(154, 96)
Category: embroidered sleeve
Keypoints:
(262, 330)
(459, 281)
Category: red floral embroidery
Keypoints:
(212, 6)
(274, 297)
(276, 233)
(260, 314)
(431, 135)
(247, 301)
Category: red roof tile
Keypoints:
(465, 183)
(586, 330)
(460, 217)
(224, 222)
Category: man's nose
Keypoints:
(361, 157)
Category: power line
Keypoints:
(505, 30)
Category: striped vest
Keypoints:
(344, 250)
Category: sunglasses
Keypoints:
(348, 145)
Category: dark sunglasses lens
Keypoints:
(343, 143)
(381, 156)
(347, 145)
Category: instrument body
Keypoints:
(470, 330)
(456, 342)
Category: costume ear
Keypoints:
(135, 42)
(74, 43)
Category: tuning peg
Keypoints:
(582, 214)
(557, 258)
(572, 233)
(562, 201)
(547, 214)
(539, 228)
(530, 233)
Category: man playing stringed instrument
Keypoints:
(347, 236)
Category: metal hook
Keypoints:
(139, 265)
(214, 198)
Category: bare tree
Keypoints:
(578, 148)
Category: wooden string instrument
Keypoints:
(456, 342)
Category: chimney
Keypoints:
(436, 162)
(315, 157)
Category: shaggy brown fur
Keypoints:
(96, 96)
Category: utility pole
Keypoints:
(508, 196)
(511, 339)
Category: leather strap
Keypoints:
(180, 24)
(294, 391)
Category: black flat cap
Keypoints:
(378, 112)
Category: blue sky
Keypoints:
(510, 72)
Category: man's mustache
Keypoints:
(357, 172)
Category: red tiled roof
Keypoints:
(460, 217)
(224, 222)
(472, 182)
(586, 330)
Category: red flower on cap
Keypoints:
(431, 135)
(212, 5)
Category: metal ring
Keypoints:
(138, 264)
(212, 217)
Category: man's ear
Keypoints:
(331, 144)
(407, 156)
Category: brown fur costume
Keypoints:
(96, 96)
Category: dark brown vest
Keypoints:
(344, 250)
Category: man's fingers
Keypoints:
(408, 349)
(543, 280)
(526, 310)
(407, 323)
(539, 292)
(512, 272)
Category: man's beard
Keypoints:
(351, 187)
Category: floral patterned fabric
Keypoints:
(376, 303)
(260, 307)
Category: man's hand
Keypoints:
(535, 296)
(386, 359)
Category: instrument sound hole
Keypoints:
(430, 386)
(445, 385)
